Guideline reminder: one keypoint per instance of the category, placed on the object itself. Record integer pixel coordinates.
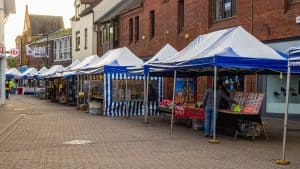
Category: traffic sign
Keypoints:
(14, 52)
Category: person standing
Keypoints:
(7, 89)
(208, 105)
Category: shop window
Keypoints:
(180, 16)
(152, 24)
(77, 36)
(130, 30)
(137, 28)
(223, 9)
(85, 38)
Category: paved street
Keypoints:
(34, 134)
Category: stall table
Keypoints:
(244, 124)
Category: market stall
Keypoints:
(293, 62)
(53, 86)
(123, 95)
(82, 81)
(229, 51)
(41, 83)
(30, 83)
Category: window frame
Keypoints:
(137, 28)
(152, 24)
(180, 16)
(130, 29)
(85, 38)
(223, 10)
(77, 41)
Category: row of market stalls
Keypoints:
(121, 84)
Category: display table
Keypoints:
(244, 124)
(186, 112)
(183, 112)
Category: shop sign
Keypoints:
(14, 52)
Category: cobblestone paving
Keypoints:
(37, 141)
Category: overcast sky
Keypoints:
(15, 23)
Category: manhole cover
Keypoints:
(77, 142)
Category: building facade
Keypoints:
(37, 27)
(56, 49)
(83, 34)
(151, 24)
(6, 7)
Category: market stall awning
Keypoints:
(13, 73)
(30, 73)
(43, 70)
(52, 71)
(85, 63)
(116, 60)
(230, 48)
(166, 52)
(294, 55)
(72, 65)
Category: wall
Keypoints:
(2, 60)
(84, 22)
(40, 62)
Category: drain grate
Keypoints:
(77, 142)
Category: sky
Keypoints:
(15, 23)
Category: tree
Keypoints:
(11, 62)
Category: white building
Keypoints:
(84, 35)
(6, 7)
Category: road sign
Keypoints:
(14, 52)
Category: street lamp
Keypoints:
(47, 48)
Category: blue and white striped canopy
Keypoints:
(294, 55)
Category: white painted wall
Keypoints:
(84, 22)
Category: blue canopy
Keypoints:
(232, 48)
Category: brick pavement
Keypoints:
(36, 141)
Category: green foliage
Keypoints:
(11, 62)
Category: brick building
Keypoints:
(36, 27)
(59, 50)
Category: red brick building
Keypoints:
(147, 25)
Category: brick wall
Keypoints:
(265, 19)
(40, 62)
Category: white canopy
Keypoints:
(86, 62)
(30, 73)
(14, 72)
(166, 52)
(75, 63)
(53, 70)
(117, 57)
(43, 70)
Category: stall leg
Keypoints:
(173, 100)
(126, 101)
(283, 161)
(146, 94)
(214, 141)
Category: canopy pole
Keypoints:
(173, 100)
(283, 160)
(126, 101)
(146, 95)
(214, 141)
(77, 91)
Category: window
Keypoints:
(130, 30)
(223, 9)
(137, 28)
(85, 38)
(61, 51)
(180, 17)
(77, 43)
(152, 24)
